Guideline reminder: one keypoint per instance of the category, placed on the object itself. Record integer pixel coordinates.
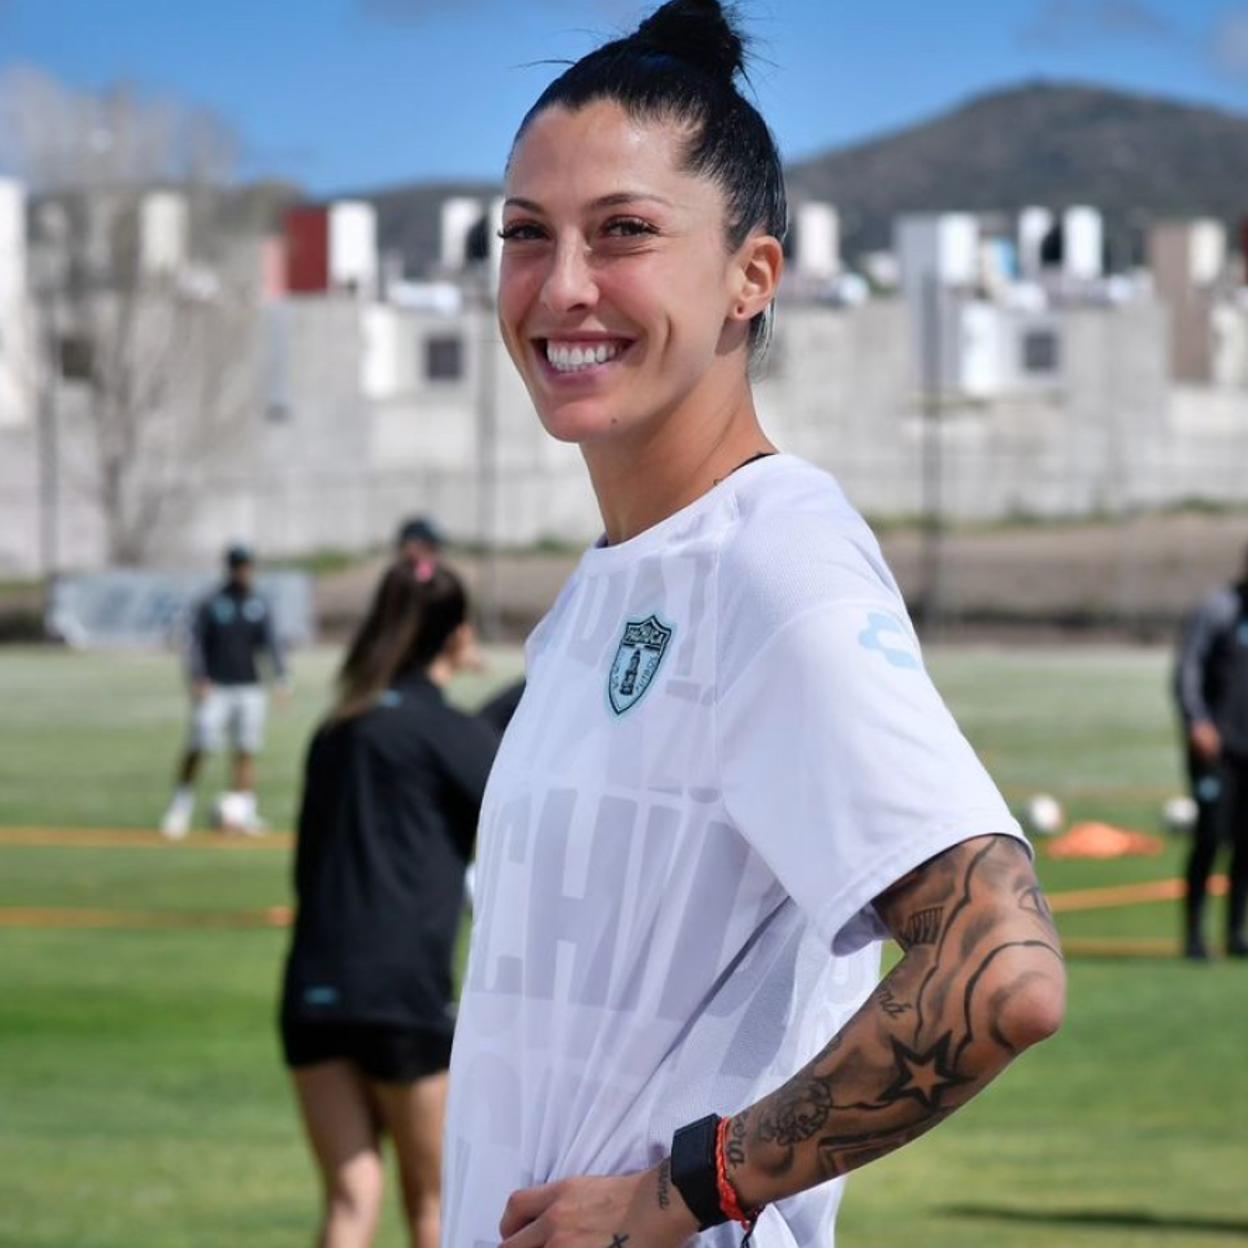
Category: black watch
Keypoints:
(694, 1171)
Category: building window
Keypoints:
(444, 359)
(77, 357)
(1040, 351)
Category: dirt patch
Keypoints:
(1115, 895)
(1135, 578)
(65, 918)
(131, 838)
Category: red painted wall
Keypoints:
(307, 250)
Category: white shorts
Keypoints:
(233, 711)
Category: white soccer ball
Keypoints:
(231, 812)
(1178, 815)
(1044, 815)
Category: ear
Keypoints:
(757, 270)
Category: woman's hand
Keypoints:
(632, 1211)
(1206, 740)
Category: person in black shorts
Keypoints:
(1211, 689)
(393, 786)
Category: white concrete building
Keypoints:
(164, 232)
(353, 260)
(16, 347)
(817, 241)
(1083, 244)
(359, 412)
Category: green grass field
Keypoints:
(142, 1103)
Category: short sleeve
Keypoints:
(842, 767)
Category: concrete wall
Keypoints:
(318, 464)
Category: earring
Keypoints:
(740, 309)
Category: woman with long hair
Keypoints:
(392, 791)
(730, 776)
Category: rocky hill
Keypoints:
(1135, 157)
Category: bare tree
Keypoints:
(146, 299)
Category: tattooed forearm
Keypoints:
(981, 980)
(887, 999)
(665, 1183)
(1034, 900)
(921, 928)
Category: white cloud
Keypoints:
(1069, 23)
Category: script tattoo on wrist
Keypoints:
(931, 1035)
(734, 1144)
(665, 1183)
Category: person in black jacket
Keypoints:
(393, 787)
(231, 637)
(1211, 688)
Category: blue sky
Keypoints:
(354, 94)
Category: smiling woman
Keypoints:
(642, 246)
(729, 777)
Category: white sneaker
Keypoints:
(177, 821)
(255, 826)
(249, 822)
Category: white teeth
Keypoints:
(566, 358)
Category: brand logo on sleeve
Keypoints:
(889, 636)
(637, 660)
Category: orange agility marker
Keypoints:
(1102, 840)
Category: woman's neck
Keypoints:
(641, 480)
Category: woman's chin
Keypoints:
(583, 422)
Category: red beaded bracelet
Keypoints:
(728, 1201)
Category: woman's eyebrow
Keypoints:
(614, 200)
(628, 197)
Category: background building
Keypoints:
(358, 392)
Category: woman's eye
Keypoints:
(520, 232)
(628, 227)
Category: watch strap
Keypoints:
(694, 1170)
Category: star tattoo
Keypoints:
(923, 1076)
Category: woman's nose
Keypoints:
(570, 280)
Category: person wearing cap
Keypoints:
(230, 630)
(418, 540)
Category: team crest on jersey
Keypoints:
(637, 661)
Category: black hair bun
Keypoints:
(698, 32)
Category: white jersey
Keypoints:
(727, 748)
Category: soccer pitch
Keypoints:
(142, 1101)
